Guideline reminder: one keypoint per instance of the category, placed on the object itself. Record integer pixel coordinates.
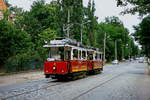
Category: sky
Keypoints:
(104, 8)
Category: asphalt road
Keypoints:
(126, 81)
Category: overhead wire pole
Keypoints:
(115, 49)
(123, 52)
(130, 50)
(104, 48)
(68, 24)
(81, 31)
(82, 18)
(82, 24)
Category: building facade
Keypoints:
(2, 7)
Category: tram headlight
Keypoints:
(54, 67)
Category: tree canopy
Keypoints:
(139, 6)
(115, 31)
(142, 35)
(142, 30)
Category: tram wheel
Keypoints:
(84, 74)
(47, 76)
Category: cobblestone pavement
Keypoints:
(126, 81)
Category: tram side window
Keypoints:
(61, 52)
(83, 55)
(96, 56)
(90, 56)
(67, 55)
(75, 54)
(79, 54)
(100, 56)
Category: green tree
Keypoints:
(91, 26)
(140, 6)
(115, 31)
(73, 17)
(43, 37)
(40, 17)
(13, 41)
(142, 35)
(6, 14)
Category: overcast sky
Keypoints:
(104, 8)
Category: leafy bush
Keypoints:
(23, 62)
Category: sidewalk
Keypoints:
(21, 77)
(149, 69)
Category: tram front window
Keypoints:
(56, 54)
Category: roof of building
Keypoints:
(2, 5)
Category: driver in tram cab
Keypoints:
(74, 57)
(61, 56)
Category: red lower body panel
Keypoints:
(78, 66)
(68, 67)
(56, 67)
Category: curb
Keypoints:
(21, 72)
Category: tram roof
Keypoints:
(71, 46)
(66, 45)
(71, 43)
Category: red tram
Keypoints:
(68, 59)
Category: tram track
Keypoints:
(91, 89)
(56, 84)
(28, 92)
(60, 83)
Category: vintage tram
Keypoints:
(68, 59)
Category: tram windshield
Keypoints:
(59, 54)
(56, 54)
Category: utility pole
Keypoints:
(68, 24)
(104, 48)
(130, 48)
(82, 24)
(115, 49)
(81, 32)
(123, 52)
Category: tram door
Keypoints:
(67, 54)
(90, 60)
(96, 61)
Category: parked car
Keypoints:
(137, 58)
(115, 62)
(141, 60)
